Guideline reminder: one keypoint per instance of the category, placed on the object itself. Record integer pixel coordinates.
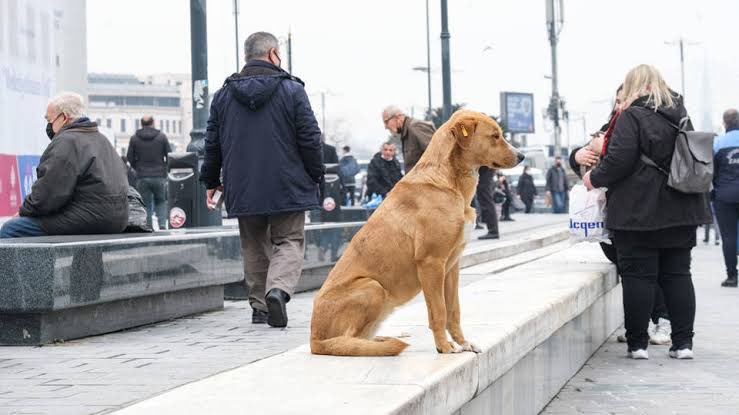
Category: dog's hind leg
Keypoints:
(431, 273)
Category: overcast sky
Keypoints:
(362, 52)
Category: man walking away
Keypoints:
(526, 189)
(383, 172)
(262, 132)
(487, 205)
(726, 191)
(415, 135)
(557, 185)
(348, 169)
(147, 153)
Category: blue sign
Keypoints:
(517, 111)
(27, 172)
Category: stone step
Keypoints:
(536, 324)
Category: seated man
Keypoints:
(383, 171)
(81, 187)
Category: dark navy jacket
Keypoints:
(726, 167)
(263, 133)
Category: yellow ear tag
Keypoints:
(464, 131)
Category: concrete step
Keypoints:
(536, 324)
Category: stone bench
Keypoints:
(65, 287)
(536, 325)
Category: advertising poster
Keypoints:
(517, 110)
(10, 189)
(27, 173)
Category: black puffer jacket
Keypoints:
(147, 153)
(638, 196)
(82, 186)
(382, 175)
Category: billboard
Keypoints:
(517, 111)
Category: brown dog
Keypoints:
(412, 242)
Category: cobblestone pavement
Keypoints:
(103, 373)
(611, 384)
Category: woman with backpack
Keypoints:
(653, 225)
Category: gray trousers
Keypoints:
(273, 248)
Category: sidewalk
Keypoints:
(611, 384)
(104, 373)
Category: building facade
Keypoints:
(117, 102)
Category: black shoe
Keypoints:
(730, 282)
(258, 317)
(478, 226)
(489, 236)
(276, 300)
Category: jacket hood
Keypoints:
(80, 124)
(674, 113)
(256, 83)
(147, 133)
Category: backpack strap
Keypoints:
(649, 162)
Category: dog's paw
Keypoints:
(470, 347)
(450, 347)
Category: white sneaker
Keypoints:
(685, 353)
(638, 354)
(662, 331)
(652, 328)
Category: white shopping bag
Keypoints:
(588, 215)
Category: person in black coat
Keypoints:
(329, 152)
(263, 138)
(653, 225)
(486, 202)
(505, 212)
(383, 171)
(526, 189)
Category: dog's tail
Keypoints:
(354, 346)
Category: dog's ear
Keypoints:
(463, 130)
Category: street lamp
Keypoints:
(681, 43)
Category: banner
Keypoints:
(27, 173)
(10, 189)
(517, 111)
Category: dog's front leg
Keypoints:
(453, 312)
(431, 275)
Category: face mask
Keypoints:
(50, 128)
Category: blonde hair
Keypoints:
(646, 81)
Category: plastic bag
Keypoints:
(136, 212)
(588, 215)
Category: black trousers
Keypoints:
(642, 271)
(529, 202)
(727, 215)
(485, 199)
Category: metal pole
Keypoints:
(236, 32)
(428, 57)
(323, 112)
(445, 65)
(289, 51)
(682, 68)
(555, 102)
(199, 68)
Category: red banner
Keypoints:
(10, 189)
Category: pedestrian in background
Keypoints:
(505, 212)
(486, 202)
(653, 225)
(147, 153)
(726, 191)
(526, 189)
(557, 186)
(383, 171)
(264, 136)
(329, 152)
(415, 135)
(348, 170)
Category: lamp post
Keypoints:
(681, 45)
(555, 20)
(445, 64)
(236, 32)
(428, 56)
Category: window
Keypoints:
(138, 123)
(123, 125)
(109, 123)
(179, 126)
(166, 125)
(98, 121)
